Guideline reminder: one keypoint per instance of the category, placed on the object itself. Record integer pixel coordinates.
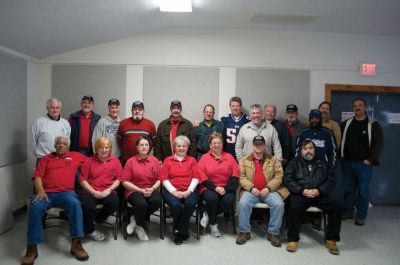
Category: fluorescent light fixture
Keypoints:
(175, 5)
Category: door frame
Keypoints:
(330, 88)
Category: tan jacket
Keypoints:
(273, 172)
(335, 128)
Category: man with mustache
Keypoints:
(325, 109)
(130, 129)
(172, 127)
(82, 124)
(309, 181)
(361, 146)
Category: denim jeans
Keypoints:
(181, 210)
(356, 178)
(68, 201)
(274, 201)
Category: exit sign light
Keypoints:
(367, 69)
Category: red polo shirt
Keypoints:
(143, 173)
(217, 170)
(58, 172)
(179, 173)
(259, 179)
(101, 175)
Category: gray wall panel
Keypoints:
(71, 82)
(193, 86)
(13, 110)
(274, 86)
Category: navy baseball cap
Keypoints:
(314, 113)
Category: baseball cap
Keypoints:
(88, 97)
(138, 104)
(258, 139)
(291, 107)
(113, 101)
(176, 103)
(314, 113)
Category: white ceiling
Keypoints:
(40, 28)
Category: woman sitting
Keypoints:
(179, 176)
(141, 181)
(219, 175)
(99, 178)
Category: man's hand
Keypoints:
(220, 190)
(40, 196)
(265, 192)
(256, 192)
(366, 161)
(311, 193)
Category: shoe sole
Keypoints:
(291, 250)
(80, 258)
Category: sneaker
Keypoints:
(242, 238)
(331, 246)
(274, 239)
(214, 231)
(142, 235)
(204, 220)
(359, 221)
(131, 226)
(292, 246)
(97, 236)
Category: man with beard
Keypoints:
(172, 127)
(325, 145)
(309, 180)
(257, 126)
(327, 122)
(361, 146)
(108, 127)
(130, 129)
(82, 126)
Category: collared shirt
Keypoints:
(217, 170)
(58, 172)
(179, 173)
(101, 175)
(143, 173)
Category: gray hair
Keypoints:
(256, 106)
(53, 100)
(270, 105)
(58, 138)
(182, 139)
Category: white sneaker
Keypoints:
(131, 226)
(97, 236)
(142, 235)
(204, 220)
(214, 231)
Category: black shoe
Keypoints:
(178, 239)
(185, 237)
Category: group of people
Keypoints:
(265, 159)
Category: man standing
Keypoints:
(54, 180)
(261, 181)
(283, 134)
(309, 181)
(322, 137)
(108, 126)
(130, 129)
(172, 127)
(233, 122)
(293, 125)
(205, 129)
(46, 128)
(82, 126)
(361, 146)
(325, 109)
(257, 126)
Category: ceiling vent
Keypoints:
(259, 18)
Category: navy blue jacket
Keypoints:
(76, 128)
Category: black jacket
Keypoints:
(284, 138)
(298, 177)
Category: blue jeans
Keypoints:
(68, 201)
(356, 178)
(181, 210)
(277, 208)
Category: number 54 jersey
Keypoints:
(233, 125)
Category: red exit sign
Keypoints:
(367, 69)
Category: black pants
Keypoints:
(216, 203)
(298, 206)
(89, 202)
(143, 207)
